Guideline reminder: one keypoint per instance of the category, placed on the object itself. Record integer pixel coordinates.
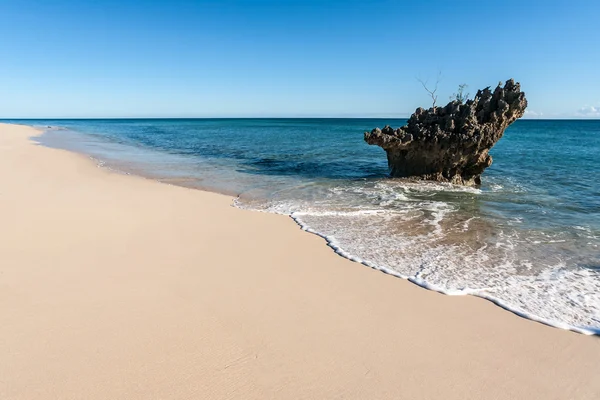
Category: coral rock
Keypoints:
(451, 143)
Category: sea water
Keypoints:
(528, 239)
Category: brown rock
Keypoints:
(451, 143)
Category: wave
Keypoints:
(436, 245)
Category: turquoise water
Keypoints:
(527, 239)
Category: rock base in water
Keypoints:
(451, 143)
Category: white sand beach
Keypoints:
(119, 287)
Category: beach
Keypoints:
(117, 286)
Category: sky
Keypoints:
(266, 58)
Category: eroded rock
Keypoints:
(451, 143)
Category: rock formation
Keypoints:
(451, 143)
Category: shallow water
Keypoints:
(527, 239)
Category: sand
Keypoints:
(119, 287)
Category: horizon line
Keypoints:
(277, 117)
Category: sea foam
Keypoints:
(404, 231)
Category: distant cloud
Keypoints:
(533, 114)
(589, 112)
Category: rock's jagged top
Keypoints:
(451, 143)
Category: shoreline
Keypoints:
(176, 312)
(426, 286)
(135, 170)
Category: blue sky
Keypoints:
(290, 58)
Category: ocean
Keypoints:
(528, 239)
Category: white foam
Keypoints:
(557, 295)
